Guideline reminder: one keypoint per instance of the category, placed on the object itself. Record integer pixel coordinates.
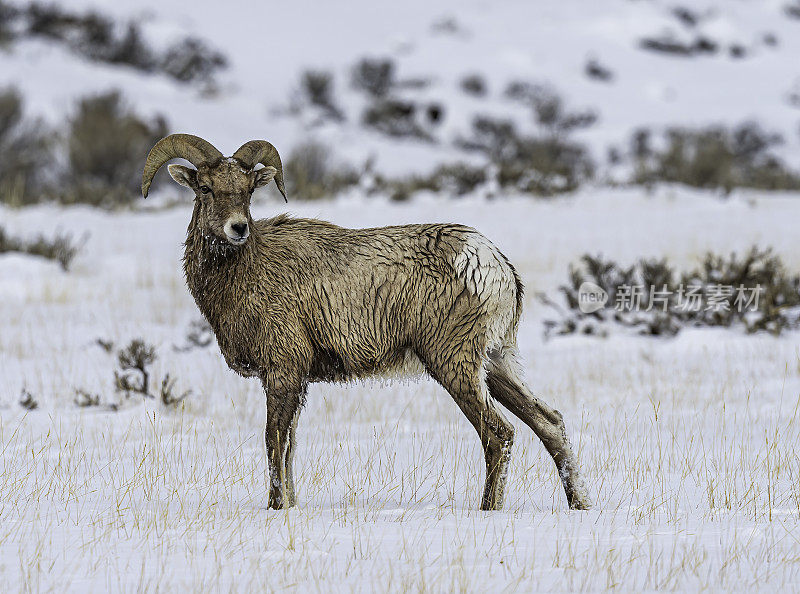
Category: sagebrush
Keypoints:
(753, 291)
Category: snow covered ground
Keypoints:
(688, 444)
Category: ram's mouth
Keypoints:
(238, 240)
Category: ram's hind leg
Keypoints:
(465, 383)
(506, 386)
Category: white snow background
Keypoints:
(688, 445)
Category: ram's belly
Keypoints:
(404, 365)
(330, 367)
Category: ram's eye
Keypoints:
(205, 189)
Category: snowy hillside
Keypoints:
(270, 44)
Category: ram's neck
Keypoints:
(214, 269)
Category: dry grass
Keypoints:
(696, 485)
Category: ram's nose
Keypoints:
(237, 230)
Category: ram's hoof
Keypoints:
(581, 502)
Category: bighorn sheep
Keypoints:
(293, 301)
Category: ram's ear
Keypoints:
(185, 176)
(264, 176)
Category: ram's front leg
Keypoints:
(283, 407)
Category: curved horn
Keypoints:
(186, 146)
(261, 151)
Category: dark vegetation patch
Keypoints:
(61, 247)
(374, 76)
(455, 179)
(686, 16)
(546, 163)
(792, 9)
(97, 37)
(199, 335)
(401, 118)
(7, 15)
(694, 43)
(548, 108)
(385, 112)
(133, 378)
(696, 298)
(96, 158)
(105, 147)
(668, 44)
(474, 84)
(191, 59)
(25, 146)
(317, 89)
(311, 173)
(448, 25)
(595, 70)
(27, 400)
(715, 157)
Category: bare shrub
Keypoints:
(455, 179)
(396, 117)
(95, 36)
(401, 189)
(777, 308)
(737, 51)
(105, 144)
(792, 9)
(8, 15)
(549, 109)
(85, 399)
(25, 146)
(474, 84)
(669, 44)
(130, 50)
(316, 88)
(714, 157)
(375, 76)
(597, 71)
(686, 16)
(311, 173)
(544, 165)
(167, 394)
(62, 247)
(91, 35)
(779, 302)
(448, 25)
(134, 374)
(105, 344)
(459, 178)
(198, 336)
(27, 401)
(496, 137)
(191, 59)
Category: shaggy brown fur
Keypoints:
(294, 301)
